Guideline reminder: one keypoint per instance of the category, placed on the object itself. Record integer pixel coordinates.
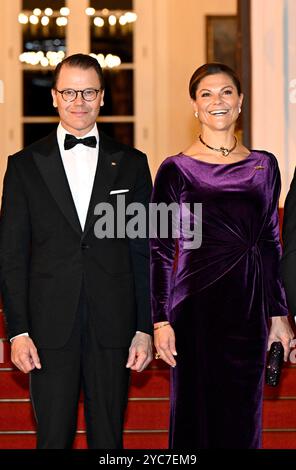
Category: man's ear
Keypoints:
(54, 98)
(102, 98)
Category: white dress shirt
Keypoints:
(80, 163)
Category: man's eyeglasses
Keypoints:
(89, 94)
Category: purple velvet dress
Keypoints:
(219, 297)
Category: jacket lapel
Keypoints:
(110, 154)
(52, 170)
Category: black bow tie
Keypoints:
(71, 141)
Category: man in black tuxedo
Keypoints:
(77, 306)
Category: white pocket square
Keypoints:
(118, 191)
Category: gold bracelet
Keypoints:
(160, 326)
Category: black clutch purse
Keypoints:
(274, 364)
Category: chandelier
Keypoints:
(104, 18)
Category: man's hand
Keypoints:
(140, 352)
(24, 354)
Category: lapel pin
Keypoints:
(259, 167)
(113, 163)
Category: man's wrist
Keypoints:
(17, 336)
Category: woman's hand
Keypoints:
(281, 330)
(164, 341)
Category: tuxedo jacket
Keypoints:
(45, 257)
(288, 262)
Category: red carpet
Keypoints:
(146, 418)
(148, 409)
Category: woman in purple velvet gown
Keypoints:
(218, 308)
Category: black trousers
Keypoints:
(55, 389)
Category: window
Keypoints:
(46, 41)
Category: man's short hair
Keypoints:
(82, 61)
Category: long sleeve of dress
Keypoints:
(163, 249)
(271, 249)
